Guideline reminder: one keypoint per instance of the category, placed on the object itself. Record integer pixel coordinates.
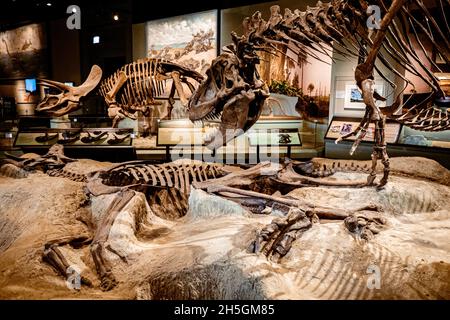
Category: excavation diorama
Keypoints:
(318, 229)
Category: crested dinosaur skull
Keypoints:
(232, 93)
(68, 99)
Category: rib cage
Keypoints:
(427, 119)
(341, 25)
(62, 173)
(322, 170)
(170, 175)
(142, 85)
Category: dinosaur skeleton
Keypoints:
(130, 89)
(53, 159)
(167, 186)
(68, 99)
(235, 92)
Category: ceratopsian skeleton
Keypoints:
(130, 89)
(234, 90)
(167, 187)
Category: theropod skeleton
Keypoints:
(234, 90)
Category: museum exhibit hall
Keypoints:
(225, 150)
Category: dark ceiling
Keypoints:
(14, 13)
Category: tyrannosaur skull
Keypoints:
(232, 92)
(68, 99)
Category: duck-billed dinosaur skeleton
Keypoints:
(131, 89)
(167, 187)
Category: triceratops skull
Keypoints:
(69, 99)
(232, 91)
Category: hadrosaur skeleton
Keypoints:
(167, 188)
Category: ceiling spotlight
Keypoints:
(116, 17)
(49, 4)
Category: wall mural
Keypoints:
(23, 52)
(299, 76)
(190, 40)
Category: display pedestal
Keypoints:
(60, 123)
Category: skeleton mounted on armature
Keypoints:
(341, 26)
(130, 90)
(234, 91)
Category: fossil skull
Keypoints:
(69, 98)
(232, 93)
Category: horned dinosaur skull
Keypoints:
(232, 92)
(68, 99)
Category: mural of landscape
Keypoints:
(190, 40)
(308, 76)
(23, 52)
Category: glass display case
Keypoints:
(74, 137)
(294, 138)
(440, 139)
(402, 141)
(103, 144)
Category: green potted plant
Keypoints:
(283, 99)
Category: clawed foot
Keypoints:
(382, 183)
(371, 179)
(108, 282)
(275, 240)
(365, 224)
(371, 182)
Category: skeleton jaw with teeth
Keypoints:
(232, 92)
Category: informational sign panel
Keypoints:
(341, 127)
(274, 138)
